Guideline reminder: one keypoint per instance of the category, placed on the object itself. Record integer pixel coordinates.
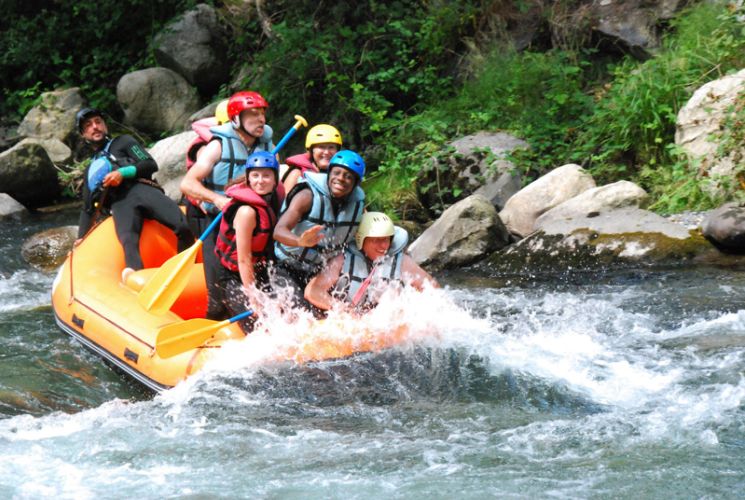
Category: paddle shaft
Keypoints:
(240, 316)
(299, 122)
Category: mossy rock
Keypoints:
(585, 249)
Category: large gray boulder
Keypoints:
(704, 124)
(595, 201)
(475, 164)
(466, 232)
(725, 227)
(156, 100)
(58, 151)
(47, 250)
(624, 236)
(170, 153)
(194, 46)
(561, 184)
(54, 117)
(28, 175)
(10, 207)
(628, 26)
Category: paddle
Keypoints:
(160, 293)
(186, 335)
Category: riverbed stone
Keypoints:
(474, 164)
(595, 201)
(623, 236)
(170, 154)
(703, 126)
(561, 184)
(466, 232)
(725, 227)
(47, 249)
(10, 207)
(54, 116)
(58, 151)
(194, 46)
(28, 174)
(156, 100)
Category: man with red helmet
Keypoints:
(221, 161)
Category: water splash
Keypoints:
(24, 289)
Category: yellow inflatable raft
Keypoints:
(92, 304)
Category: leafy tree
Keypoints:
(86, 43)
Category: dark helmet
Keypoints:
(83, 115)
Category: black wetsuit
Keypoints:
(133, 201)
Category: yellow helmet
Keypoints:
(322, 134)
(221, 112)
(374, 225)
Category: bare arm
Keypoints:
(192, 185)
(291, 179)
(299, 206)
(244, 224)
(317, 290)
(414, 275)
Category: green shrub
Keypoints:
(83, 43)
(633, 124)
(361, 66)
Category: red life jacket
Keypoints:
(261, 240)
(301, 161)
(204, 136)
(202, 128)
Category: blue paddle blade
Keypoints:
(97, 171)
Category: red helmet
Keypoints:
(246, 99)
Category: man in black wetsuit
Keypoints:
(119, 179)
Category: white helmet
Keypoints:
(374, 224)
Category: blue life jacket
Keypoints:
(101, 165)
(357, 268)
(232, 162)
(338, 230)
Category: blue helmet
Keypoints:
(262, 159)
(349, 160)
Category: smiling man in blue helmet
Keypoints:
(320, 217)
(119, 179)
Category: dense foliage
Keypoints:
(88, 44)
(616, 118)
(393, 76)
(361, 65)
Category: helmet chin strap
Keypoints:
(236, 121)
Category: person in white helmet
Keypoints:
(374, 261)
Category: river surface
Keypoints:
(625, 384)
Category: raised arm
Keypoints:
(317, 290)
(299, 206)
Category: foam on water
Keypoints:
(264, 428)
(24, 289)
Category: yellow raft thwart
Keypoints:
(92, 304)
